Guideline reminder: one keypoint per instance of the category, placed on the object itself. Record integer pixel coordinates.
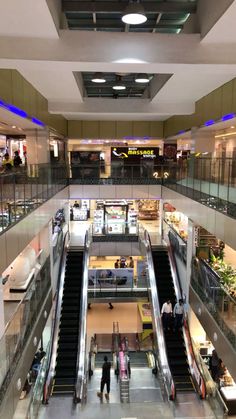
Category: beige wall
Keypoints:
(15, 90)
(114, 129)
(220, 102)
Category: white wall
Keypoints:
(209, 11)
(37, 142)
(13, 241)
(115, 191)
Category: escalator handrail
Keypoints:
(168, 379)
(194, 368)
(83, 347)
(56, 322)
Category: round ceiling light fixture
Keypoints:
(134, 14)
(119, 86)
(98, 78)
(142, 78)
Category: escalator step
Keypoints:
(68, 339)
(182, 361)
(178, 370)
(65, 389)
(176, 345)
(64, 373)
(73, 315)
(68, 345)
(66, 363)
(65, 381)
(70, 309)
(67, 331)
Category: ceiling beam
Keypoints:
(108, 25)
(112, 21)
(119, 7)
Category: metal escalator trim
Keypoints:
(56, 323)
(197, 378)
(157, 323)
(83, 347)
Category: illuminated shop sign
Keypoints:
(133, 153)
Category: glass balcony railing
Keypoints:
(37, 393)
(221, 305)
(120, 174)
(23, 190)
(21, 325)
(210, 181)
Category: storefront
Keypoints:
(221, 375)
(114, 216)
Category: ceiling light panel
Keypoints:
(130, 88)
(107, 15)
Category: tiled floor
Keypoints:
(100, 318)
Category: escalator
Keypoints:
(175, 345)
(68, 337)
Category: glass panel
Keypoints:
(20, 327)
(218, 301)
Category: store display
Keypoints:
(98, 216)
(110, 278)
(179, 222)
(148, 209)
(80, 210)
(207, 244)
(132, 216)
(80, 214)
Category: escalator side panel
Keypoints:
(175, 345)
(65, 371)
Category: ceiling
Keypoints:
(163, 16)
(105, 90)
(186, 65)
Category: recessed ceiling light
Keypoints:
(134, 14)
(98, 78)
(142, 78)
(232, 126)
(119, 87)
(13, 126)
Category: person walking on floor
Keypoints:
(178, 314)
(106, 378)
(166, 314)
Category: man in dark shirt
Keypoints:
(106, 378)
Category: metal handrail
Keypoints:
(157, 323)
(194, 368)
(83, 347)
(56, 323)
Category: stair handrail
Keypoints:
(55, 323)
(161, 352)
(82, 366)
(196, 374)
(123, 374)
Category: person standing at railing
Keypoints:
(17, 160)
(106, 378)
(131, 262)
(7, 162)
(117, 264)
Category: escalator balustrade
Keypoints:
(175, 345)
(65, 371)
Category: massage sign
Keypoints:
(134, 154)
